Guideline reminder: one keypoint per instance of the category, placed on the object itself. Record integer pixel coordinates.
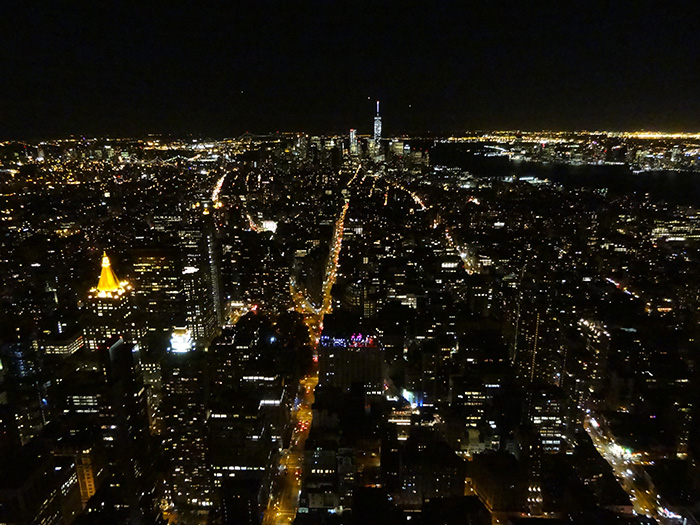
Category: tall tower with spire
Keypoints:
(110, 312)
(377, 127)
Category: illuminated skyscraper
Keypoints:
(353, 142)
(200, 275)
(377, 126)
(110, 309)
(188, 484)
(158, 286)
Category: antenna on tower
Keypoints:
(377, 108)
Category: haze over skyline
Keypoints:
(223, 69)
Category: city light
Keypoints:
(306, 322)
(181, 341)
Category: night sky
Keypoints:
(222, 68)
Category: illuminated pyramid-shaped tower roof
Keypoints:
(109, 285)
(108, 279)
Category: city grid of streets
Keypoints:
(516, 319)
(286, 484)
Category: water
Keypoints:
(670, 186)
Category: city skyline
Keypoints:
(309, 264)
(293, 329)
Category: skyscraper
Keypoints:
(159, 287)
(189, 485)
(110, 309)
(353, 142)
(200, 274)
(377, 127)
(21, 388)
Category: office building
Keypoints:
(344, 361)
(110, 312)
(353, 142)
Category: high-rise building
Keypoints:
(537, 349)
(344, 361)
(547, 412)
(159, 286)
(429, 469)
(88, 464)
(129, 456)
(109, 309)
(353, 142)
(37, 487)
(188, 484)
(377, 127)
(201, 275)
(104, 429)
(21, 388)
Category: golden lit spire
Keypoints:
(109, 286)
(108, 281)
